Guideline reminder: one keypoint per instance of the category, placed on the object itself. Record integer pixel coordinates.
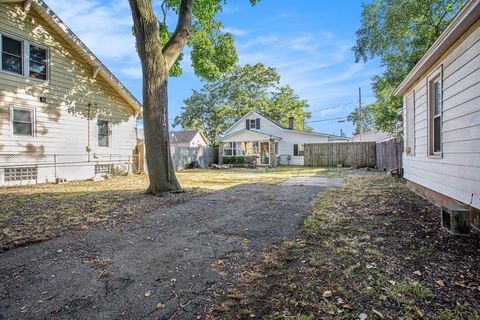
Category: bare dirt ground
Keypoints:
(370, 250)
(166, 264)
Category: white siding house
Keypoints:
(63, 114)
(442, 115)
(256, 135)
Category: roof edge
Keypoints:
(464, 19)
(102, 69)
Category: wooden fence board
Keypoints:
(349, 154)
(389, 154)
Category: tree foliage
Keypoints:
(399, 32)
(218, 104)
(160, 52)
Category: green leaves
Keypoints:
(251, 87)
(398, 32)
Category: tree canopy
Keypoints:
(398, 32)
(218, 104)
(160, 51)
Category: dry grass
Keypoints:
(370, 249)
(38, 212)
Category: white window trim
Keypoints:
(293, 150)
(34, 123)
(412, 151)
(25, 58)
(432, 78)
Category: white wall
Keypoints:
(61, 124)
(457, 173)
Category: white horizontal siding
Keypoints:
(61, 123)
(457, 173)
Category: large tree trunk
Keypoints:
(155, 98)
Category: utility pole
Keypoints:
(360, 112)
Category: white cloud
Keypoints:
(319, 66)
(106, 29)
(134, 72)
(236, 31)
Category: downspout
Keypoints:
(88, 149)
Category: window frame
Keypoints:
(109, 144)
(254, 126)
(300, 153)
(25, 58)
(435, 76)
(411, 95)
(47, 62)
(33, 123)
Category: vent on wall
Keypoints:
(103, 168)
(20, 174)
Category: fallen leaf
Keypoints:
(327, 294)
(440, 283)
(362, 316)
(148, 293)
(418, 273)
(419, 312)
(159, 305)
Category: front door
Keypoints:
(264, 153)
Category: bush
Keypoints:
(228, 160)
(240, 160)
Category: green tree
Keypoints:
(399, 32)
(366, 120)
(251, 87)
(159, 50)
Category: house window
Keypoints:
(253, 123)
(103, 134)
(20, 174)
(12, 55)
(276, 148)
(38, 63)
(298, 150)
(22, 122)
(435, 116)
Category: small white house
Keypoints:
(442, 115)
(188, 138)
(273, 144)
(63, 114)
(371, 136)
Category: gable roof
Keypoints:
(185, 136)
(462, 21)
(98, 67)
(281, 127)
(250, 130)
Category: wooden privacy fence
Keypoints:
(389, 154)
(349, 154)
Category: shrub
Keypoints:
(228, 160)
(240, 160)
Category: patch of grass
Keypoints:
(38, 212)
(359, 252)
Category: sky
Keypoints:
(309, 42)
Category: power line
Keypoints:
(332, 107)
(331, 119)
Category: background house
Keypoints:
(371, 135)
(189, 138)
(63, 114)
(442, 115)
(256, 135)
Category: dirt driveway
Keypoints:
(161, 266)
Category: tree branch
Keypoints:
(175, 45)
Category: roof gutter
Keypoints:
(97, 66)
(467, 16)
